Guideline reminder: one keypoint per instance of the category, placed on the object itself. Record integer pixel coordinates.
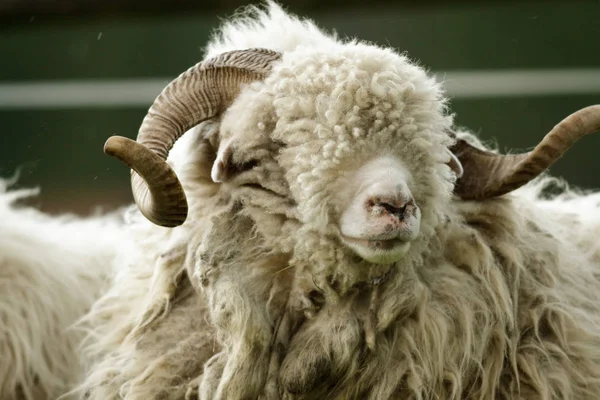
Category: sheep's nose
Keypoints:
(382, 206)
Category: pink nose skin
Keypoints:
(387, 207)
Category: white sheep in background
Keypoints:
(339, 240)
(52, 269)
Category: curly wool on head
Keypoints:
(328, 112)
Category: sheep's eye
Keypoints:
(246, 166)
(248, 176)
(234, 170)
(244, 173)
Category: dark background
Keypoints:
(57, 144)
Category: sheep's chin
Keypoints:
(378, 251)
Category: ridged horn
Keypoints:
(488, 174)
(202, 92)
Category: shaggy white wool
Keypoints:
(51, 271)
(268, 27)
(149, 329)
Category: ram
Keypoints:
(310, 224)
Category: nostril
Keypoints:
(390, 206)
(394, 210)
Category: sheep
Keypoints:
(49, 279)
(309, 223)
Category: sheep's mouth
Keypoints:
(376, 244)
(378, 250)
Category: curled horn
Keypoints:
(487, 174)
(202, 92)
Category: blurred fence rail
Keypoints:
(141, 92)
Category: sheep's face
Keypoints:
(351, 144)
(380, 217)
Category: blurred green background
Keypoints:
(513, 69)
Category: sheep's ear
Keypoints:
(456, 166)
(221, 165)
